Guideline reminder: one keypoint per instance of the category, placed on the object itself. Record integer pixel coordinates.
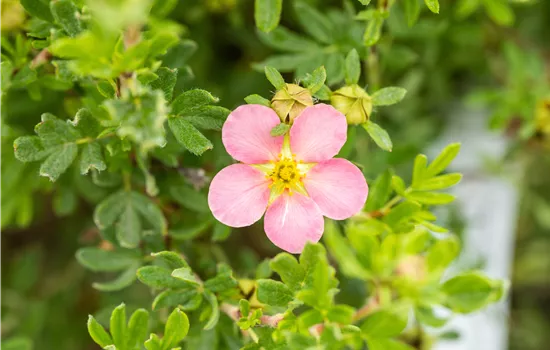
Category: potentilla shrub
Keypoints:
(166, 221)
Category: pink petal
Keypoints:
(318, 133)
(293, 220)
(246, 134)
(238, 195)
(337, 187)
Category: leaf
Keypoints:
(97, 259)
(38, 8)
(128, 228)
(379, 192)
(220, 232)
(257, 100)
(313, 22)
(438, 183)
(188, 100)
(177, 327)
(29, 149)
(138, 327)
(221, 282)
(190, 198)
(285, 40)
(91, 158)
(166, 81)
(118, 327)
(153, 343)
(499, 11)
(208, 117)
(427, 316)
(274, 293)
(288, 268)
(353, 67)
(274, 77)
(186, 274)
(442, 161)
(124, 280)
(316, 80)
(373, 31)
(387, 344)
(412, 11)
(66, 14)
(342, 314)
(57, 163)
(186, 299)
(267, 14)
(159, 277)
(433, 5)
(398, 185)
(215, 311)
(430, 198)
(388, 96)
(378, 135)
(98, 333)
(469, 291)
(172, 259)
(419, 169)
(384, 323)
(279, 129)
(402, 211)
(188, 136)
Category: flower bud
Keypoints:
(290, 102)
(353, 102)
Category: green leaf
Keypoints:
(438, 183)
(427, 316)
(222, 282)
(98, 333)
(118, 327)
(190, 198)
(412, 11)
(172, 259)
(17, 343)
(379, 192)
(402, 211)
(91, 158)
(433, 5)
(499, 11)
(442, 161)
(38, 8)
(283, 39)
(220, 232)
(387, 344)
(186, 299)
(274, 77)
(124, 280)
(188, 136)
(280, 129)
(153, 343)
(316, 80)
(188, 100)
(342, 314)
(257, 100)
(274, 293)
(86, 123)
(430, 198)
(288, 268)
(138, 327)
(66, 14)
(388, 96)
(398, 184)
(208, 117)
(128, 228)
(97, 259)
(378, 135)
(469, 291)
(177, 327)
(57, 163)
(214, 313)
(419, 169)
(186, 274)
(373, 31)
(29, 149)
(353, 67)
(166, 81)
(267, 14)
(159, 277)
(313, 22)
(385, 323)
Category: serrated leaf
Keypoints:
(29, 149)
(91, 158)
(188, 136)
(257, 100)
(274, 293)
(274, 77)
(388, 96)
(66, 14)
(267, 14)
(166, 81)
(191, 99)
(378, 135)
(208, 117)
(442, 161)
(57, 163)
(97, 259)
(175, 330)
(279, 129)
(118, 326)
(353, 67)
(433, 5)
(98, 333)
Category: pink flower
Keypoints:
(293, 176)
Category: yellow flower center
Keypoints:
(286, 172)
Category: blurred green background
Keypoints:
(471, 57)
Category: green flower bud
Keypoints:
(353, 102)
(290, 102)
